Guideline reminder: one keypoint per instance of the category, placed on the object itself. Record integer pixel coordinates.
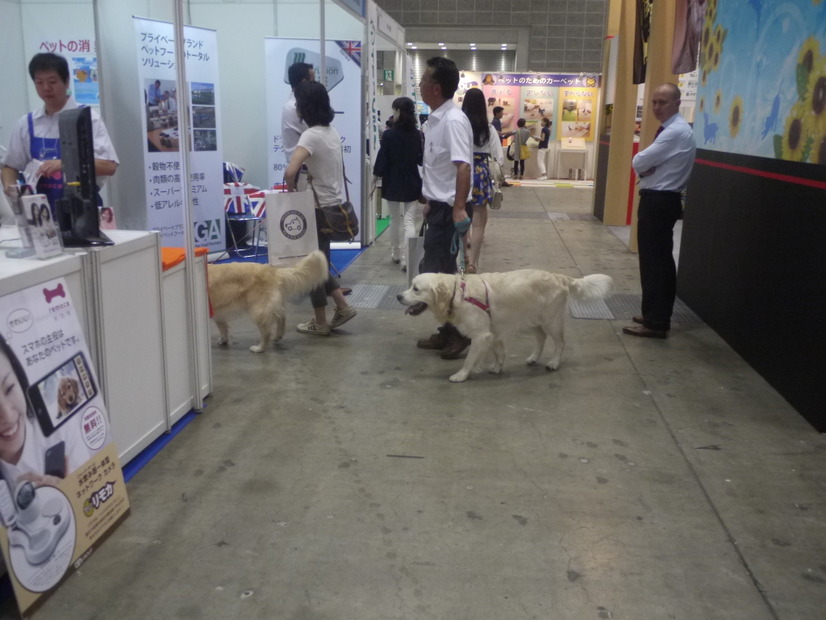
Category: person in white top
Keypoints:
(291, 124)
(446, 184)
(319, 148)
(37, 135)
(23, 444)
(486, 147)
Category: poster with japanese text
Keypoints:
(532, 96)
(61, 485)
(343, 66)
(577, 112)
(68, 31)
(158, 90)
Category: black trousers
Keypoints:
(438, 237)
(656, 216)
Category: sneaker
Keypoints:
(311, 327)
(543, 178)
(342, 316)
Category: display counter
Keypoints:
(135, 321)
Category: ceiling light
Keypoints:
(441, 43)
(409, 44)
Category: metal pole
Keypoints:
(189, 233)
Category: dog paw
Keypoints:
(459, 377)
(257, 348)
(222, 343)
(551, 366)
(530, 361)
(495, 369)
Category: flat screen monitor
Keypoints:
(77, 212)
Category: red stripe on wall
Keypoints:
(762, 173)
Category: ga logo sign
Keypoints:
(207, 231)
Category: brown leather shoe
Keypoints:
(644, 332)
(638, 319)
(435, 342)
(455, 347)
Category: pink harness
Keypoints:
(479, 304)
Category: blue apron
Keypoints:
(44, 149)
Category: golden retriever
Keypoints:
(67, 395)
(485, 307)
(261, 291)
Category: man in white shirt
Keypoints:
(663, 167)
(291, 125)
(446, 184)
(37, 135)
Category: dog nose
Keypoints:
(399, 297)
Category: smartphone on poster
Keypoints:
(62, 392)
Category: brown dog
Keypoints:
(67, 395)
(261, 291)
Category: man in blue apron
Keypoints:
(37, 135)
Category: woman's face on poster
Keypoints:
(12, 413)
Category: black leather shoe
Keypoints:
(644, 332)
(638, 319)
(505, 184)
(437, 341)
(455, 347)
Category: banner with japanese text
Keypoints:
(62, 488)
(534, 96)
(158, 90)
(343, 66)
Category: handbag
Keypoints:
(338, 222)
(509, 153)
(524, 152)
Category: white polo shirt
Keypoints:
(45, 126)
(448, 138)
(291, 127)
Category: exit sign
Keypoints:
(388, 75)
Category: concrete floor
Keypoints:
(345, 478)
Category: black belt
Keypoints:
(437, 203)
(644, 192)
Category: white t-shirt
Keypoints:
(45, 126)
(33, 458)
(448, 138)
(325, 163)
(291, 127)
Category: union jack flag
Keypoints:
(351, 49)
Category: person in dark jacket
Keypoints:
(397, 164)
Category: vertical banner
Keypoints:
(62, 489)
(343, 62)
(155, 43)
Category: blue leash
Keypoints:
(457, 245)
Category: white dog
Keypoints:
(262, 292)
(485, 307)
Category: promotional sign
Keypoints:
(534, 96)
(62, 489)
(343, 67)
(157, 75)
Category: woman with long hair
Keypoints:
(397, 164)
(319, 148)
(486, 146)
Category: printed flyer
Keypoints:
(61, 485)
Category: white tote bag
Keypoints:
(291, 230)
(415, 254)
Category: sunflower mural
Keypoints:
(762, 79)
(804, 136)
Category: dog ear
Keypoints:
(442, 292)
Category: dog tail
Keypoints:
(591, 288)
(308, 273)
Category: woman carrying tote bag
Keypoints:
(520, 142)
(319, 148)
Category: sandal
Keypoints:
(471, 268)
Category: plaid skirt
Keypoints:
(482, 193)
